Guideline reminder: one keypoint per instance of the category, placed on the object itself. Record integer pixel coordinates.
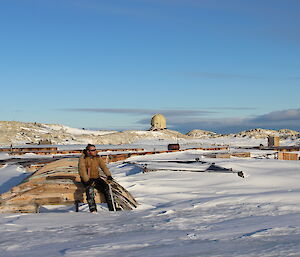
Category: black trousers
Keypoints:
(101, 186)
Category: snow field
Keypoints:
(181, 213)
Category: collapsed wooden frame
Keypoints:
(57, 183)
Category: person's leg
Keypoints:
(103, 187)
(90, 197)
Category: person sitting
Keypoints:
(88, 167)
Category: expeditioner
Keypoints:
(88, 167)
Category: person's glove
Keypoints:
(110, 178)
(89, 182)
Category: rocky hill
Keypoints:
(264, 133)
(198, 133)
(20, 133)
(14, 132)
(257, 133)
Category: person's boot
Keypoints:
(90, 198)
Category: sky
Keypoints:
(218, 65)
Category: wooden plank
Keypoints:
(242, 155)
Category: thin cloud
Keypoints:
(285, 119)
(171, 112)
(231, 108)
(285, 115)
(143, 111)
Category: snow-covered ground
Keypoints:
(181, 213)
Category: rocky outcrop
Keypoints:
(15, 132)
(257, 133)
(20, 133)
(198, 133)
(264, 133)
(288, 133)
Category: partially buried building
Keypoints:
(158, 122)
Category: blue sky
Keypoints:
(219, 65)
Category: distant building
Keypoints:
(273, 141)
(158, 122)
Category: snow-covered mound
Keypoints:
(264, 133)
(198, 133)
(15, 132)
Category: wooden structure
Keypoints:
(138, 151)
(57, 183)
(173, 146)
(241, 154)
(288, 156)
(229, 155)
(27, 149)
(34, 163)
(54, 150)
(218, 155)
(273, 141)
(284, 148)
